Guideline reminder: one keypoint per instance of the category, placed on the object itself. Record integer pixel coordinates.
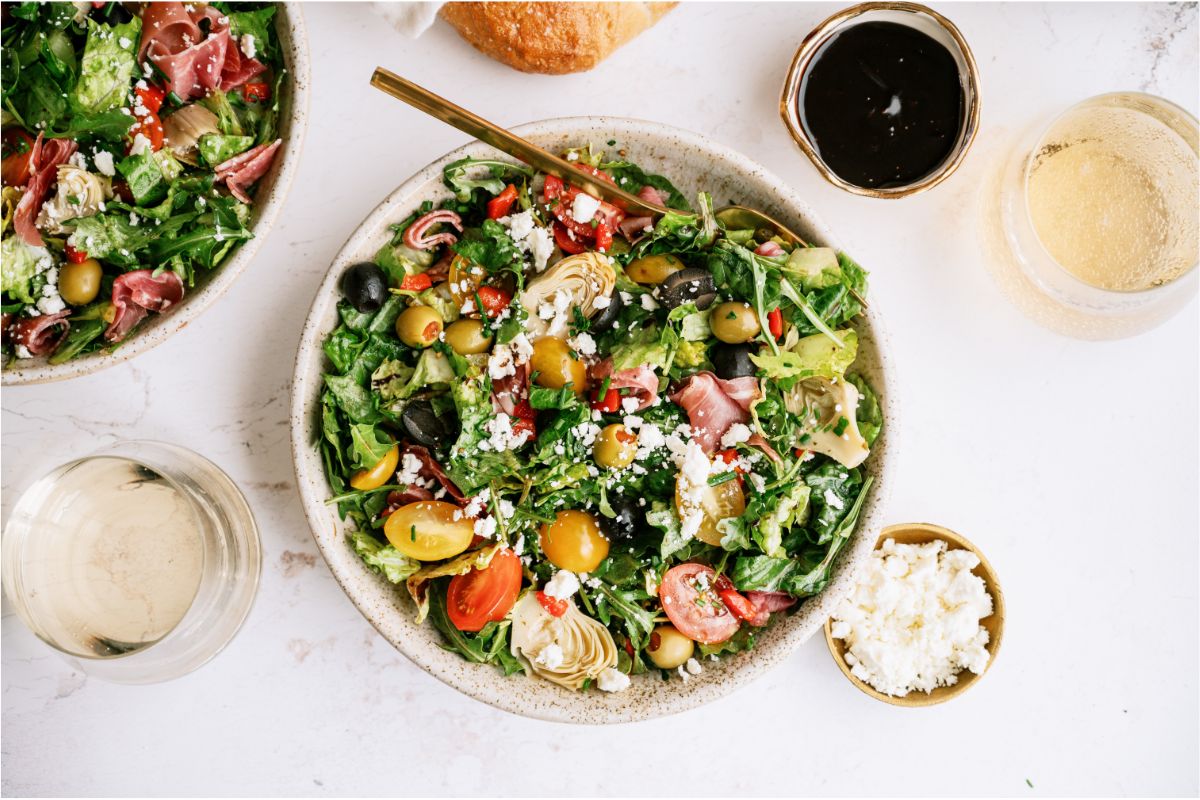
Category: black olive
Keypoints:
(424, 426)
(608, 315)
(629, 516)
(365, 286)
(733, 360)
(688, 285)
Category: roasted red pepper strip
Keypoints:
(553, 605)
(604, 237)
(609, 403)
(775, 322)
(253, 92)
(75, 256)
(501, 204)
(416, 283)
(734, 600)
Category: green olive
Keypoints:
(669, 648)
(80, 283)
(419, 326)
(466, 337)
(615, 447)
(734, 323)
(556, 366)
(653, 269)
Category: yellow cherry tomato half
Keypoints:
(429, 530)
(574, 541)
(372, 478)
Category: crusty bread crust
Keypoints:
(551, 38)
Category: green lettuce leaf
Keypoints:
(107, 68)
(216, 148)
(21, 263)
(811, 357)
(383, 558)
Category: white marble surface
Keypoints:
(1072, 464)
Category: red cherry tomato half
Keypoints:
(416, 283)
(563, 239)
(18, 147)
(152, 97)
(690, 600)
(554, 606)
(253, 92)
(609, 403)
(553, 188)
(492, 299)
(500, 205)
(484, 595)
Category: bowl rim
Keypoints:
(297, 60)
(807, 52)
(942, 694)
(313, 487)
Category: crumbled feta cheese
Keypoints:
(601, 302)
(583, 343)
(501, 363)
(501, 435)
(51, 302)
(736, 434)
(247, 45)
(913, 620)
(693, 667)
(104, 162)
(630, 404)
(140, 145)
(693, 483)
(648, 302)
(584, 208)
(612, 680)
(410, 470)
(832, 500)
(486, 527)
(563, 585)
(551, 656)
(126, 43)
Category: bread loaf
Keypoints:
(551, 38)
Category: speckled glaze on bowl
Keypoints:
(268, 200)
(693, 163)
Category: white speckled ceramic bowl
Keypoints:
(268, 200)
(693, 163)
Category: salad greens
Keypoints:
(652, 439)
(119, 189)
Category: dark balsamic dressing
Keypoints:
(883, 104)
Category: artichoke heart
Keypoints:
(575, 282)
(80, 194)
(822, 404)
(566, 650)
(184, 128)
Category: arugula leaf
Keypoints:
(259, 24)
(489, 646)
(369, 445)
(632, 178)
(624, 603)
(492, 176)
(108, 125)
(833, 487)
(82, 334)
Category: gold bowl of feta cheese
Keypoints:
(925, 621)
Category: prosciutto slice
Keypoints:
(510, 394)
(431, 470)
(767, 603)
(639, 382)
(136, 294)
(42, 334)
(240, 172)
(417, 235)
(713, 404)
(194, 64)
(44, 159)
(769, 249)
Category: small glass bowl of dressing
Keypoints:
(883, 98)
(137, 563)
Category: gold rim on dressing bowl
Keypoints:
(923, 19)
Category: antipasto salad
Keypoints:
(133, 136)
(590, 444)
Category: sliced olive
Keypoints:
(79, 284)
(690, 285)
(365, 286)
(628, 517)
(419, 326)
(653, 269)
(467, 338)
(733, 360)
(733, 322)
(424, 426)
(607, 317)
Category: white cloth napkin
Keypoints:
(411, 19)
